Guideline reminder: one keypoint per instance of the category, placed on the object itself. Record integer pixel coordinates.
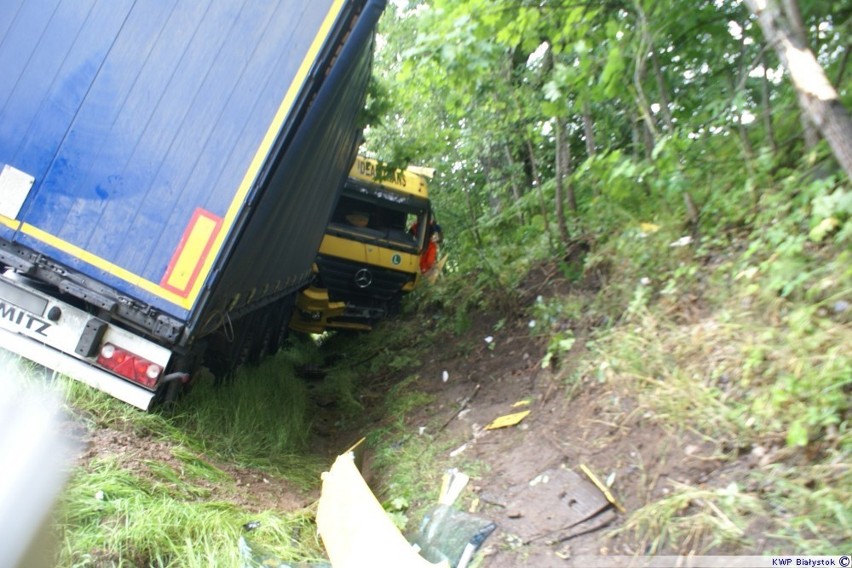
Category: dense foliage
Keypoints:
(579, 117)
(659, 154)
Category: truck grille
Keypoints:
(360, 284)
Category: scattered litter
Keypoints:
(532, 323)
(507, 420)
(682, 242)
(525, 402)
(452, 484)
(451, 536)
(542, 478)
(564, 553)
(649, 227)
(421, 430)
(447, 535)
(458, 450)
(758, 451)
(474, 505)
(100, 496)
(610, 479)
(644, 281)
(840, 306)
(445, 376)
(251, 525)
(604, 489)
(489, 339)
(355, 529)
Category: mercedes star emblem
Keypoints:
(363, 278)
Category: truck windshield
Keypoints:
(380, 216)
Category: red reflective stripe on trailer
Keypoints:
(191, 252)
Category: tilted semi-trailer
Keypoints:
(167, 171)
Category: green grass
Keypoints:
(111, 517)
(122, 511)
(695, 519)
(707, 350)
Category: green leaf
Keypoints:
(797, 435)
(823, 229)
(613, 68)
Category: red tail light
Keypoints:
(129, 365)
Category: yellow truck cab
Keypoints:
(370, 254)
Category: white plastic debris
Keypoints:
(682, 242)
(458, 450)
(610, 479)
(489, 339)
(445, 376)
(541, 478)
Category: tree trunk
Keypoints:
(766, 104)
(661, 86)
(473, 224)
(798, 32)
(537, 182)
(841, 69)
(745, 141)
(516, 191)
(641, 100)
(818, 96)
(589, 130)
(567, 169)
(560, 207)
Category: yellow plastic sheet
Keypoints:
(356, 531)
(508, 420)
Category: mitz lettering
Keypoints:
(23, 319)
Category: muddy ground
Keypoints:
(531, 483)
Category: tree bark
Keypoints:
(516, 191)
(589, 130)
(539, 190)
(661, 86)
(641, 100)
(841, 69)
(797, 31)
(560, 165)
(818, 96)
(766, 104)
